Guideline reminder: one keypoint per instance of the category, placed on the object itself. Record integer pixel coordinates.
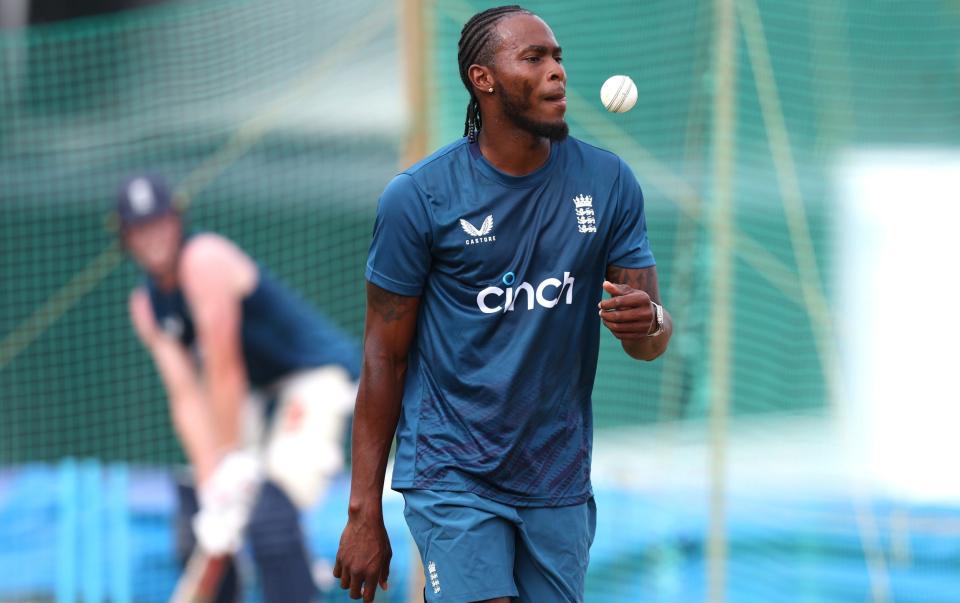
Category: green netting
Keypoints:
(231, 101)
(845, 73)
(281, 121)
(813, 81)
(284, 120)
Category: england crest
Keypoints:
(586, 219)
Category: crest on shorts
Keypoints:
(434, 578)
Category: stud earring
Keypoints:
(490, 89)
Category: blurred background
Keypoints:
(801, 167)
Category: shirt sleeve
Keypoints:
(630, 247)
(399, 257)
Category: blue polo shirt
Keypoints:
(509, 271)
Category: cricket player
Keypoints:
(485, 301)
(260, 388)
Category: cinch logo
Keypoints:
(546, 294)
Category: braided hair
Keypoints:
(476, 48)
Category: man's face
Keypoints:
(155, 243)
(531, 81)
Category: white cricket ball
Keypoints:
(618, 94)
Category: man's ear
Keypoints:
(481, 78)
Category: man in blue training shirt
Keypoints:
(236, 351)
(484, 302)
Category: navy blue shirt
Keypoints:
(280, 333)
(497, 398)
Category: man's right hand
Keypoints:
(226, 502)
(363, 560)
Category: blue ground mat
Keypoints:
(105, 533)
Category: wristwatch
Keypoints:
(658, 311)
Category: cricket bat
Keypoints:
(201, 578)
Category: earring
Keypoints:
(490, 89)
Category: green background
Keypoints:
(84, 103)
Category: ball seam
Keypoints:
(614, 106)
(620, 104)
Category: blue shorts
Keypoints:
(474, 548)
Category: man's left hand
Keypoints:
(628, 313)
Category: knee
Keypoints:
(274, 527)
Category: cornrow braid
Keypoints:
(475, 48)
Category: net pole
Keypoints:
(415, 33)
(720, 351)
(67, 587)
(814, 298)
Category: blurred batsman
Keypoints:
(260, 388)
